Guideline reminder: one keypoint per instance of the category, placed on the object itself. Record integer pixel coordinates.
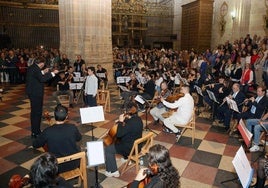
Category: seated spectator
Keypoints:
(255, 126)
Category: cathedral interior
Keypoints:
(94, 29)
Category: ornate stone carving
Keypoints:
(265, 18)
(222, 21)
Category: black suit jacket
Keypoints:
(61, 139)
(260, 107)
(239, 99)
(128, 132)
(35, 81)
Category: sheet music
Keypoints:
(242, 167)
(122, 79)
(123, 88)
(77, 74)
(139, 99)
(198, 90)
(74, 86)
(212, 96)
(92, 114)
(232, 104)
(184, 81)
(101, 75)
(95, 153)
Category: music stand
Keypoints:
(81, 90)
(199, 92)
(243, 169)
(95, 155)
(123, 88)
(90, 115)
(214, 100)
(140, 99)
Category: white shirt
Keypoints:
(91, 87)
(185, 107)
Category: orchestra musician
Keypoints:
(148, 88)
(132, 85)
(256, 105)
(215, 88)
(159, 109)
(160, 172)
(63, 88)
(102, 70)
(43, 174)
(182, 115)
(61, 138)
(80, 65)
(225, 114)
(129, 128)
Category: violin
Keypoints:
(149, 172)
(164, 94)
(16, 181)
(47, 116)
(110, 137)
(174, 97)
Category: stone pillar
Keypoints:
(85, 29)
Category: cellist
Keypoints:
(129, 129)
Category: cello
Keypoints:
(110, 137)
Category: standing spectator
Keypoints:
(2, 68)
(246, 79)
(22, 67)
(11, 61)
(35, 90)
(91, 87)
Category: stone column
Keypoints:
(85, 29)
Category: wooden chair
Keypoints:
(80, 172)
(103, 98)
(64, 100)
(135, 154)
(190, 125)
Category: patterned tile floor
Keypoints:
(205, 164)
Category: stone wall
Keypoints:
(249, 18)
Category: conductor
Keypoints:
(36, 77)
